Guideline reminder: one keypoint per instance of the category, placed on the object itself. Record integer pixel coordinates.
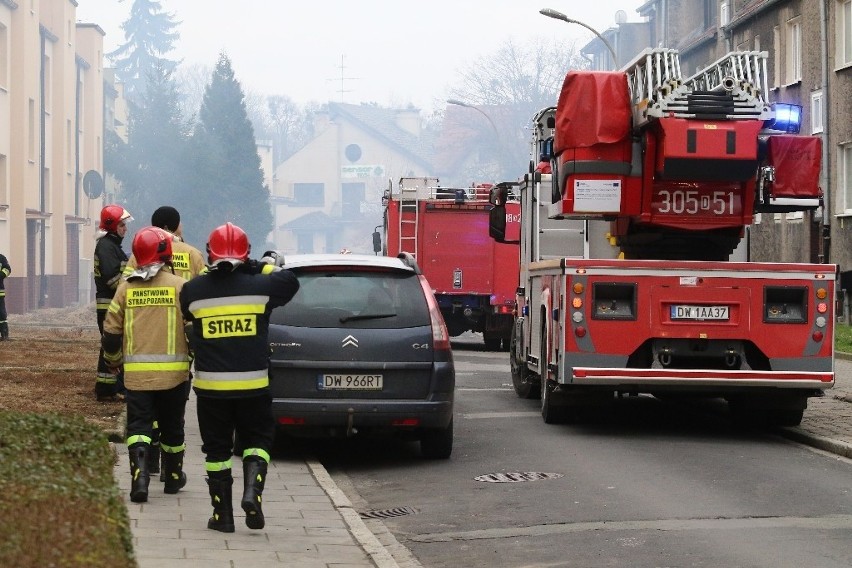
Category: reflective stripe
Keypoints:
(128, 331)
(113, 307)
(114, 357)
(228, 305)
(231, 381)
(139, 438)
(6, 271)
(141, 367)
(102, 303)
(256, 452)
(107, 379)
(217, 466)
(170, 333)
(154, 358)
(173, 449)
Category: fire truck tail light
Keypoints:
(821, 293)
(822, 307)
(577, 303)
(817, 336)
(580, 331)
(578, 287)
(820, 321)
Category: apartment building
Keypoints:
(51, 151)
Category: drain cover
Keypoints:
(388, 513)
(515, 477)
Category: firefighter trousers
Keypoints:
(108, 383)
(220, 418)
(167, 407)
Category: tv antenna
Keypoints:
(343, 78)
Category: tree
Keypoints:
(150, 34)
(227, 182)
(508, 87)
(151, 165)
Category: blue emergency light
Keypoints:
(788, 118)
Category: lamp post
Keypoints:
(488, 118)
(550, 13)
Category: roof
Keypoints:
(382, 124)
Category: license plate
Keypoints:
(350, 382)
(699, 312)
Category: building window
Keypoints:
(844, 35)
(4, 56)
(794, 51)
(776, 58)
(845, 175)
(816, 112)
(724, 13)
(308, 194)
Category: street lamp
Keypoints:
(550, 13)
(479, 110)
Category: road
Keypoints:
(650, 484)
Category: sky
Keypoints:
(391, 52)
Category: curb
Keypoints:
(364, 536)
(821, 442)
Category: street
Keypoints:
(649, 484)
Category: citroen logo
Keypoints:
(349, 341)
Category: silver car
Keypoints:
(362, 348)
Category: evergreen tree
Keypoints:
(150, 34)
(151, 166)
(227, 178)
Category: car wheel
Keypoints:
(437, 443)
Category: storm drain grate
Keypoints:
(388, 513)
(515, 477)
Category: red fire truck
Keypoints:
(627, 284)
(446, 229)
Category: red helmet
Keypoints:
(228, 242)
(151, 246)
(112, 215)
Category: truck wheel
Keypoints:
(549, 412)
(525, 383)
(492, 341)
(437, 443)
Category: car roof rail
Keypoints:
(408, 259)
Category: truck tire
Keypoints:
(492, 340)
(549, 413)
(525, 383)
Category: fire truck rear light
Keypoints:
(291, 421)
(505, 310)
(821, 293)
(578, 287)
(406, 422)
(580, 331)
(817, 336)
(822, 307)
(577, 303)
(820, 321)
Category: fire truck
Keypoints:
(632, 280)
(446, 229)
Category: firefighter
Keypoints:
(187, 262)
(144, 332)
(109, 262)
(5, 271)
(543, 166)
(229, 309)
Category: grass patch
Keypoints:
(843, 338)
(59, 503)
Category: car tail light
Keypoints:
(440, 335)
(291, 421)
(406, 422)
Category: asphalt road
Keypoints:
(648, 484)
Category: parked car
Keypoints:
(362, 348)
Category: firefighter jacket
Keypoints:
(187, 261)
(5, 271)
(108, 266)
(144, 331)
(229, 311)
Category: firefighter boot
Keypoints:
(154, 459)
(220, 485)
(4, 331)
(254, 477)
(173, 471)
(139, 472)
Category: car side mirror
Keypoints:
(377, 242)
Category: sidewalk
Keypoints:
(309, 522)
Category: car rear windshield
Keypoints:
(355, 299)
